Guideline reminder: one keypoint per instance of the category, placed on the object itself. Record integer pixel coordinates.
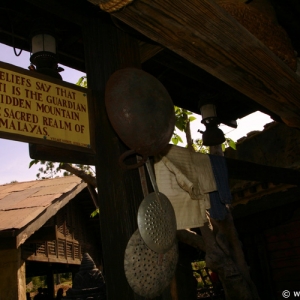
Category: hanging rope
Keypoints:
(113, 5)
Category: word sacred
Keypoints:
(36, 108)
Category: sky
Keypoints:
(14, 156)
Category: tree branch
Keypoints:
(94, 195)
(188, 135)
(191, 238)
(81, 174)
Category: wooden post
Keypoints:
(108, 49)
(12, 275)
(50, 282)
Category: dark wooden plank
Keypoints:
(147, 51)
(206, 35)
(292, 284)
(286, 274)
(75, 12)
(286, 262)
(7, 243)
(284, 232)
(40, 258)
(287, 244)
(283, 253)
(289, 234)
(245, 170)
(42, 235)
(55, 154)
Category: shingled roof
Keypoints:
(26, 206)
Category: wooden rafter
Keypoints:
(147, 51)
(206, 35)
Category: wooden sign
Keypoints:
(37, 109)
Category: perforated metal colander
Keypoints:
(157, 222)
(148, 272)
(156, 218)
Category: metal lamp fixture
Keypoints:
(43, 48)
(213, 135)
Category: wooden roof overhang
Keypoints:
(193, 47)
(207, 36)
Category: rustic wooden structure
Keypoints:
(194, 48)
(267, 214)
(44, 230)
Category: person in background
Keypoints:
(46, 294)
(39, 295)
(59, 294)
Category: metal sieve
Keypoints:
(148, 272)
(156, 219)
(156, 222)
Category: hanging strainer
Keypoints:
(148, 272)
(156, 219)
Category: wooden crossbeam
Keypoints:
(244, 170)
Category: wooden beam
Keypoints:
(76, 11)
(244, 170)
(206, 35)
(147, 51)
(44, 152)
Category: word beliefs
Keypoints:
(36, 108)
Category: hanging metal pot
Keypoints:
(140, 111)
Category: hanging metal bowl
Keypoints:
(140, 111)
(148, 272)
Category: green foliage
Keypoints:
(86, 168)
(229, 143)
(199, 147)
(95, 213)
(51, 169)
(82, 81)
(197, 265)
(64, 277)
(37, 281)
(182, 116)
(48, 169)
(176, 139)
